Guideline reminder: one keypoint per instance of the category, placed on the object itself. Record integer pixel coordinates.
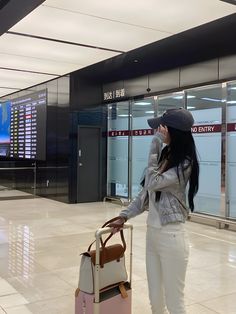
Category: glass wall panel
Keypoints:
(117, 161)
(174, 100)
(214, 111)
(142, 134)
(231, 148)
(207, 106)
(141, 139)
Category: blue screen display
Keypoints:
(5, 120)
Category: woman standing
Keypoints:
(169, 171)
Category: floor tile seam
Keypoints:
(62, 236)
(9, 294)
(213, 252)
(40, 300)
(55, 250)
(197, 303)
(219, 297)
(46, 272)
(212, 238)
(61, 250)
(55, 236)
(47, 299)
(68, 283)
(189, 268)
(1, 308)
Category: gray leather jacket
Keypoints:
(171, 206)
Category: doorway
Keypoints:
(89, 164)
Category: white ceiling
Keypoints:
(106, 28)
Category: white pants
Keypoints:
(167, 251)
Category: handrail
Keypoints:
(220, 223)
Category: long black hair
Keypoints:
(181, 149)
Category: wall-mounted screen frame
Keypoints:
(23, 127)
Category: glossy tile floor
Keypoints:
(40, 243)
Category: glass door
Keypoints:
(141, 136)
(117, 149)
(174, 100)
(207, 105)
(231, 149)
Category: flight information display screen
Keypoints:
(26, 132)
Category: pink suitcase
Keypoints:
(110, 301)
(116, 299)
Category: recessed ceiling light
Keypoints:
(142, 103)
(231, 102)
(178, 97)
(213, 99)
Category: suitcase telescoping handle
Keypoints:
(98, 235)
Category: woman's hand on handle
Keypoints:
(117, 225)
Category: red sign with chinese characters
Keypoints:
(196, 129)
(140, 132)
(118, 133)
(231, 127)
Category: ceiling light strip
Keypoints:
(108, 19)
(6, 87)
(63, 42)
(29, 71)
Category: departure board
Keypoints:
(28, 126)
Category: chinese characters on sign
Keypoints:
(110, 95)
(231, 127)
(141, 132)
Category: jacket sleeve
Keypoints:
(141, 201)
(155, 150)
(137, 206)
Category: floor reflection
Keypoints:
(21, 252)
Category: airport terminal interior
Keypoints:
(78, 81)
(41, 243)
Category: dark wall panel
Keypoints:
(227, 67)
(85, 91)
(199, 73)
(164, 80)
(14, 10)
(63, 139)
(137, 86)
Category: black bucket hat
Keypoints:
(180, 119)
